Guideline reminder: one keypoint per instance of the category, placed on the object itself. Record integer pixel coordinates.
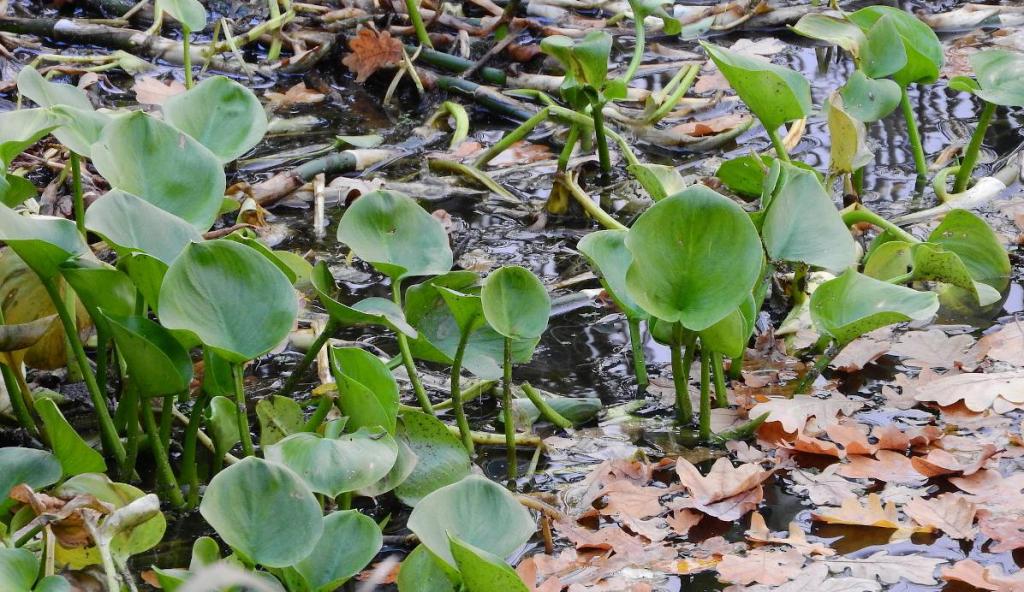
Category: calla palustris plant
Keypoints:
(517, 306)
(390, 231)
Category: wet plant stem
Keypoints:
(602, 139)
(603, 218)
(963, 176)
(307, 360)
(546, 411)
(636, 344)
(76, 192)
(130, 402)
(798, 288)
(275, 45)
(815, 371)
(163, 465)
(108, 433)
(189, 474)
(413, 8)
(237, 372)
(704, 429)
(506, 404)
(570, 142)
(511, 138)
(639, 35)
(19, 399)
(681, 373)
(721, 390)
(166, 419)
(859, 213)
(689, 74)
(403, 347)
(913, 134)
(323, 407)
(186, 40)
(780, 147)
(456, 388)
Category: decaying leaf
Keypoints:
(63, 515)
(150, 91)
(759, 533)
(887, 466)
(935, 349)
(872, 513)
(793, 413)
(825, 488)
(761, 566)
(951, 513)
(942, 462)
(295, 95)
(815, 577)
(889, 569)
(981, 577)
(727, 492)
(1006, 344)
(372, 51)
(1006, 532)
(992, 491)
(998, 391)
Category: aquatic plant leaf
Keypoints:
(466, 309)
(390, 231)
(200, 294)
(853, 304)
(924, 55)
(223, 423)
(24, 335)
(834, 30)
(157, 363)
(660, 181)
(404, 465)
(80, 124)
(926, 262)
(977, 245)
(129, 224)
(18, 569)
(869, 99)
(443, 459)
(14, 189)
(147, 273)
(730, 335)
(774, 94)
(279, 418)
(369, 311)
(47, 94)
(469, 510)
(422, 571)
(73, 453)
(645, 8)
(335, 465)
(482, 571)
(42, 242)
(849, 148)
(21, 128)
(189, 13)
(220, 114)
(349, 542)
(884, 54)
(367, 391)
(37, 468)
(578, 410)
(264, 511)
(515, 303)
(97, 286)
(696, 257)
(146, 157)
(606, 252)
(998, 73)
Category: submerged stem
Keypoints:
(721, 390)
(307, 360)
(189, 474)
(815, 371)
(913, 134)
(636, 344)
(76, 192)
(510, 428)
(681, 373)
(163, 466)
(859, 213)
(237, 372)
(511, 138)
(275, 45)
(403, 347)
(963, 176)
(456, 388)
(186, 40)
(602, 139)
(704, 429)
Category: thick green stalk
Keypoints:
(510, 428)
(913, 134)
(681, 374)
(164, 473)
(704, 430)
(275, 45)
(546, 411)
(677, 94)
(815, 371)
(323, 407)
(636, 343)
(413, 7)
(456, 388)
(863, 214)
(721, 390)
(570, 143)
(403, 347)
(186, 40)
(307, 360)
(638, 46)
(511, 138)
(102, 359)
(189, 474)
(166, 418)
(19, 402)
(780, 147)
(76, 192)
(108, 434)
(602, 217)
(963, 176)
(238, 371)
(602, 139)
(130, 403)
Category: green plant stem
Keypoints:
(189, 473)
(721, 390)
(704, 429)
(237, 372)
(19, 402)
(323, 407)
(186, 40)
(797, 290)
(913, 134)
(512, 137)
(603, 218)
(859, 213)
(636, 344)
(456, 388)
(163, 466)
(275, 45)
(602, 139)
(403, 347)
(963, 176)
(780, 147)
(858, 181)
(102, 360)
(681, 374)
(166, 419)
(75, 371)
(28, 536)
(819, 365)
(510, 428)
(108, 434)
(307, 360)
(546, 411)
(130, 402)
(76, 192)
(570, 143)
(677, 94)
(344, 501)
(486, 439)
(638, 46)
(413, 7)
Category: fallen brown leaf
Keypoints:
(521, 152)
(872, 513)
(759, 533)
(295, 95)
(942, 462)
(710, 127)
(992, 491)
(761, 566)
(727, 492)
(951, 513)
(372, 51)
(998, 391)
(935, 349)
(793, 413)
(150, 91)
(887, 466)
(1006, 344)
(1007, 532)
(984, 578)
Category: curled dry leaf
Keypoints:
(372, 51)
(793, 413)
(296, 95)
(887, 466)
(520, 153)
(983, 578)
(681, 521)
(761, 567)
(150, 91)
(992, 491)
(1006, 532)
(63, 515)
(998, 391)
(759, 533)
(727, 492)
(951, 513)
(1005, 345)
(872, 513)
(825, 488)
(942, 462)
(710, 127)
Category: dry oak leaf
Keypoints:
(727, 492)
(761, 566)
(793, 413)
(815, 578)
(984, 578)
(887, 466)
(297, 94)
(935, 349)
(942, 462)
(150, 91)
(681, 521)
(1006, 532)
(372, 51)
(992, 491)
(1006, 344)
(889, 569)
(951, 513)
(759, 533)
(999, 391)
(63, 515)
(520, 153)
(825, 488)
(872, 513)
(863, 351)
(710, 127)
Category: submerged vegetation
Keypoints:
(148, 295)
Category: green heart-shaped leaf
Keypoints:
(333, 466)
(350, 541)
(869, 99)
(443, 459)
(189, 13)
(729, 336)
(422, 571)
(369, 311)
(43, 242)
(924, 55)
(221, 114)
(21, 128)
(999, 74)
(80, 123)
(37, 468)
(75, 455)
(279, 417)
(834, 30)
(484, 572)
(515, 303)
(367, 392)
(18, 569)
(157, 364)
(849, 148)
(977, 245)
(97, 286)
(129, 223)
(223, 423)
(607, 254)
(659, 180)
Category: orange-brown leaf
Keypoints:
(372, 51)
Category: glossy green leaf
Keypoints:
(885, 53)
(221, 114)
(144, 156)
(335, 465)
(18, 569)
(516, 304)
(977, 245)
(393, 233)
(696, 257)
(774, 94)
(37, 468)
(367, 391)
(466, 309)
(369, 311)
(645, 8)
(350, 541)
(21, 128)
(279, 417)
(608, 256)
(443, 459)
(853, 304)
(264, 511)
(482, 571)
(147, 273)
(223, 423)
(43, 242)
(660, 181)
(926, 262)
(849, 148)
(730, 335)
(14, 189)
(422, 571)
(834, 30)
(189, 13)
(157, 363)
(470, 510)
(130, 223)
(404, 465)
(201, 294)
(73, 453)
(924, 55)
(100, 286)
(999, 74)
(80, 124)
(744, 174)
(869, 99)
(802, 224)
